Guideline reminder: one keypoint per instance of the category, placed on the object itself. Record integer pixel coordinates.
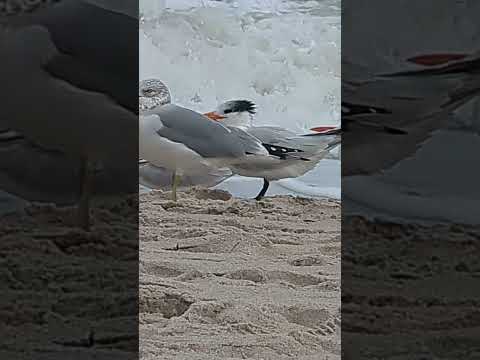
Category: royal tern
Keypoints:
(70, 91)
(291, 155)
(387, 118)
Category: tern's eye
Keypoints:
(227, 111)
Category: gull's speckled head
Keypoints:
(153, 93)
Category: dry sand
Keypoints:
(65, 293)
(224, 278)
(414, 294)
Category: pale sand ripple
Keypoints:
(412, 294)
(56, 280)
(224, 278)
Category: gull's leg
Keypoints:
(175, 182)
(85, 192)
(174, 186)
(262, 192)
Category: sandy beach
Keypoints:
(226, 278)
(410, 291)
(67, 293)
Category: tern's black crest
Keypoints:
(241, 106)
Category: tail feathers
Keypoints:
(313, 151)
(301, 164)
(331, 136)
(334, 144)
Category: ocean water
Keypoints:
(282, 55)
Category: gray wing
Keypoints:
(271, 134)
(90, 58)
(204, 136)
(407, 99)
(284, 138)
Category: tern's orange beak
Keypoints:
(214, 116)
(435, 59)
(321, 129)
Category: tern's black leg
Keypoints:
(262, 192)
(85, 193)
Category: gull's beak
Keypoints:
(214, 116)
(435, 59)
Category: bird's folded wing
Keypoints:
(83, 76)
(275, 136)
(205, 137)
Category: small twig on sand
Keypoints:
(234, 246)
(206, 259)
(51, 234)
(86, 342)
(151, 283)
(177, 247)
